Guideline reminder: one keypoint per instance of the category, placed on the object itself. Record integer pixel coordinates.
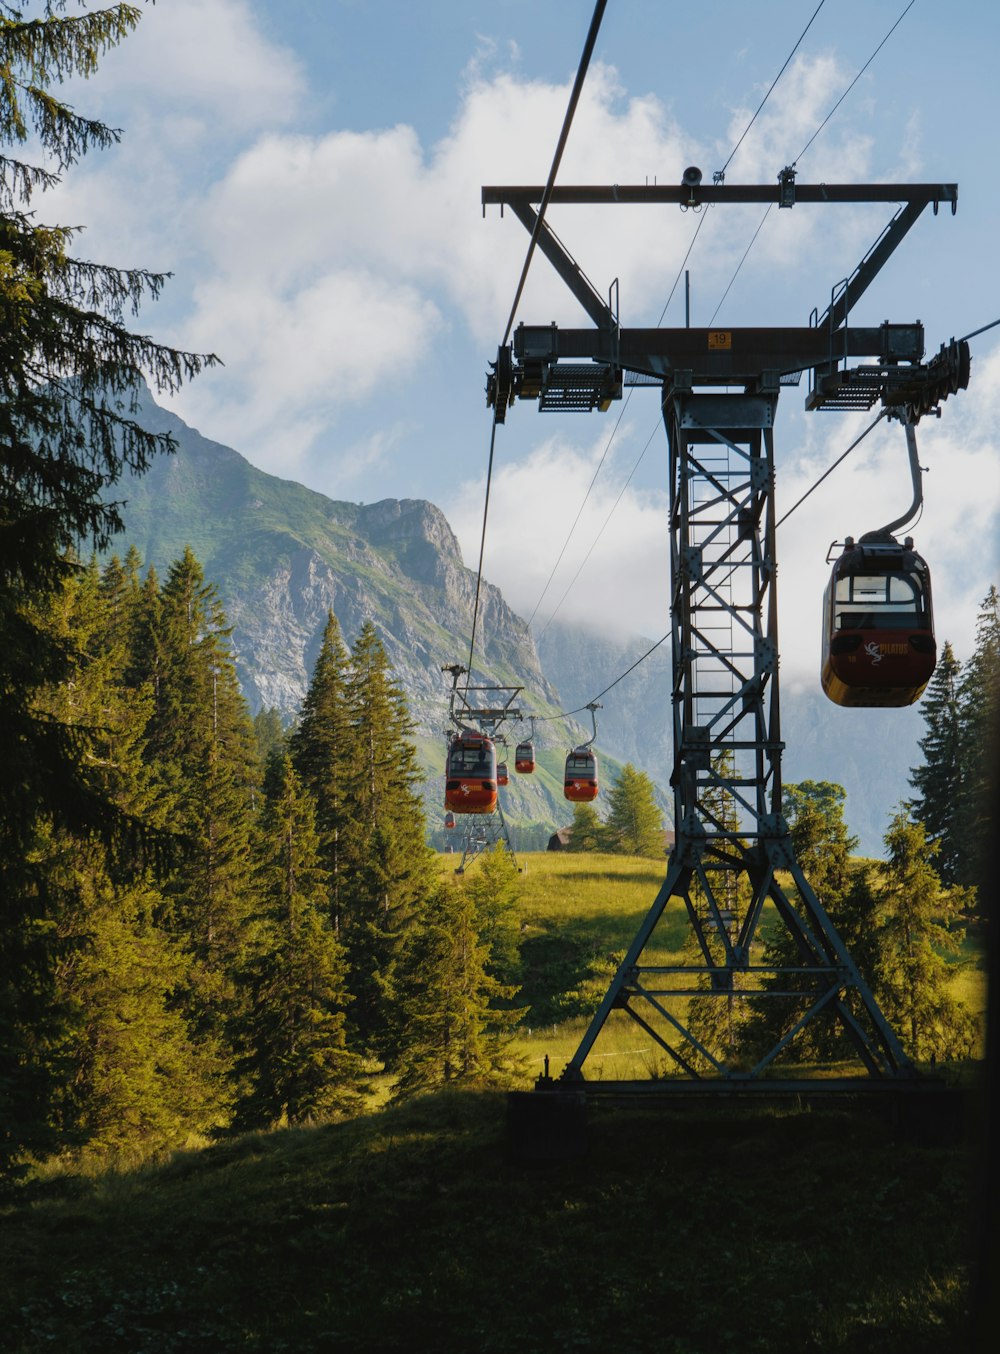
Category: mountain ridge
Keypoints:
(283, 555)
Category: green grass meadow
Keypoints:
(578, 908)
(679, 1230)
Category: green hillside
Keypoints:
(413, 1229)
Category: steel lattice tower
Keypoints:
(733, 854)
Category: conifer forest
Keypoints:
(210, 923)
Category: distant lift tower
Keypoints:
(481, 831)
(733, 853)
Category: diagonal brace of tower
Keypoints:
(733, 855)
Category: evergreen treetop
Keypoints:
(918, 923)
(634, 824)
(957, 783)
(586, 831)
(938, 782)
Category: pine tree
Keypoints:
(719, 1022)
(979, 698)
(130, 1076)
(586, 831)
(134, 1080)
(69, 375)
(494, 889)
(322, 748)
(457, 1024)
(202, 747)
(814, 811)
(294, 1063)
(917, 924)
(387, 866)
(269, 734)
(939, 781)
(634, 825)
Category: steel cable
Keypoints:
(574, 99)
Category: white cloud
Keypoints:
(622, 587)
(189, 87)
(209, 60)
(324, 268)
(321, 267)
(299, 355)
(294, 212)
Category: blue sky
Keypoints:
(310, 170)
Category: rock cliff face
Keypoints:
(283, 556)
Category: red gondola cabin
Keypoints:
(580, 781)
(524, 758)
(449, 820)
(878, 632)
(503, 776)
(471, 775)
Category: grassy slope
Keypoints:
(681, 1232)
(578, 908)
(412, 1230)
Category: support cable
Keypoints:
(832, 468)
(588, 48)
(829, 471)
(566, 713)
(576, 519)
(593, 543)
(976, 332)
(722, 171)
(482, 548)
(810, 141)
(853, 83)
(741, 263)
(569, 535)
(680, 272)
(574, 99)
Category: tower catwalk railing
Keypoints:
(731, 838)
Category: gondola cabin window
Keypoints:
(878, 601)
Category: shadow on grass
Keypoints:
(412, 1228)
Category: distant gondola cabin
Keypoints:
(878, 631)
(524, 758)
(449, 820)
(580, 781)
(503, 776)
(471, 774)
